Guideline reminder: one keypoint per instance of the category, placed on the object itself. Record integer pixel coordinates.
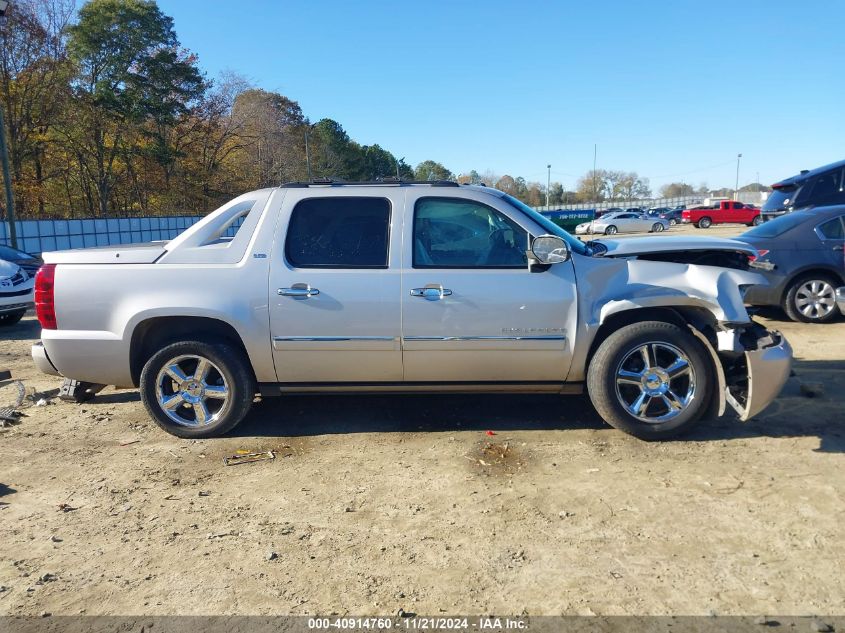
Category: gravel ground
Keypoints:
(379, 503)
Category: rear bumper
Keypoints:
(840, 299)
(15, 307)
(42, 361)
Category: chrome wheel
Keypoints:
(191, 390)
(655, 382)
(657, 228)
(815, 299)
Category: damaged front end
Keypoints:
(703, 282)
(756, 363)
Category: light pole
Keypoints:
(736, 189)
(548, 184)
(7, 182)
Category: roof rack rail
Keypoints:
(389, 181)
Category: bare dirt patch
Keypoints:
(375, 504)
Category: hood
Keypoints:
(8, 269)
(668, 244)
(123, 254)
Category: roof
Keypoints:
(387, 182)
(804, 175)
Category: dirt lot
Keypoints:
(379, 503)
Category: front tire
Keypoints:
(811, 299)
(611, 230)
(195, 389)
(10, 318)
(651, 380)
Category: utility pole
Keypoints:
(7, 182)
(736, 189)
(548, 185)
(307, 155)
(595, 186)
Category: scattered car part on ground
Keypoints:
(802, 256)
(316, 293)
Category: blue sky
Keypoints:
(672, 90)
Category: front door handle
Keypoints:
(431, 292)
(299, 291)
(839, 247)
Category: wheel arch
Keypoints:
(828, 271)
(151, 334)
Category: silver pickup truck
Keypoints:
(410, 287)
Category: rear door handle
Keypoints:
(299, 291)
(839, 247)
(432, 292)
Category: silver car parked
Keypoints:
(623, 222)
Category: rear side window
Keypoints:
(339, 233)
(778, 226)
(832, 229)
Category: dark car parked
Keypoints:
(30, 263)
(673, 216)
(802, 255)
(818, 187)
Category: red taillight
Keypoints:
(45, 306)
(763, 252)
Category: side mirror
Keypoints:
(550, 249)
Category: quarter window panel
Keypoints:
(833, 229)
(339, 233)
(450, 233)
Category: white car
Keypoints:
(16, 293)
(623, 222)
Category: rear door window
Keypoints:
(339, 233)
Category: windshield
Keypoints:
(552, 228)
(781, 198)
(778, 226)
(7, 252)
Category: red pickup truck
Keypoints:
(723, 212)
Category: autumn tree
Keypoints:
(130, 70)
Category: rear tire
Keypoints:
(654, 401)
(673, 222)
(811, 298)
(704, 223)
(757, 221)
(194, 389)
(657, 228)
(10, 318)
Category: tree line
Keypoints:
(107, 114)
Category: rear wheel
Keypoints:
(673, 222)
(657, 228)
(757, 221)
(651, 380)
(196, 389)
(10, 318)
(611, 230)
(704, 223)
(811, 299)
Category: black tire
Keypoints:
(673, 222)
(790, 305)
(607, 396)
(611, 230)
(704, 223)
(657, 228)
(10, 318)
(757, 221)
(230, 365)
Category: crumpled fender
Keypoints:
(625, 284)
